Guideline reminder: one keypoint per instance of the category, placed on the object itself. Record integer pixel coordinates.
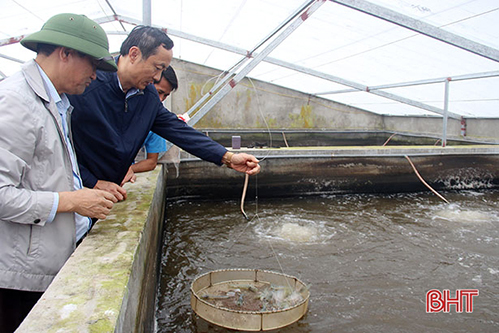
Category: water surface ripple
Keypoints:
(368, 259)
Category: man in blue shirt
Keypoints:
(154, 144)
(114, 115)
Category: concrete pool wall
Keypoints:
(343, 170)
(109, 283)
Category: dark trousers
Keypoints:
(14, 307)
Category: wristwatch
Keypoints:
(227, 159)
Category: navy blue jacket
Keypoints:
(108, 130)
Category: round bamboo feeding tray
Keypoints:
(249, 299)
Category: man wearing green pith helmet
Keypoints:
(44, 209)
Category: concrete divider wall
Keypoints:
(295, 172)
(109, 283)
(480, 129)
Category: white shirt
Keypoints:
(83, 223)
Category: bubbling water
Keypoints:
(368, 259)
(293, 229)
(296, 233)
(455, 213)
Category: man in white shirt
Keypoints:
(44, 210)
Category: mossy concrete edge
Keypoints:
(108, 284)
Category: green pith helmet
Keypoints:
(76, 32)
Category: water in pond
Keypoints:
(368, 259)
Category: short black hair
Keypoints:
(147, 39)
(48, 49)
(170, 76)
(45, 49)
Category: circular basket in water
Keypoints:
(249, 299)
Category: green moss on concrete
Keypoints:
(142, 205)
(271, 122)
(192, 96)
(305, 119)
(210, 120)
(101, 326)
(94, 282)
(247, 104)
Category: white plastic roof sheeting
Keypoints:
(338, 41)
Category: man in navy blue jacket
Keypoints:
(112, 118)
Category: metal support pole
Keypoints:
(445, 115)
(146, 12)
(232, 71)
(294, 67)
(11, 58)
(253, 63)
(421, 27)
(415, 83)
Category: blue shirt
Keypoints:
(154, 144)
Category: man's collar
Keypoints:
(60, 100)
(132, 91)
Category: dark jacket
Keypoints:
(108, 130)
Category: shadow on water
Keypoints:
(368, 259)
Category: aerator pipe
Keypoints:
(423, 181)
